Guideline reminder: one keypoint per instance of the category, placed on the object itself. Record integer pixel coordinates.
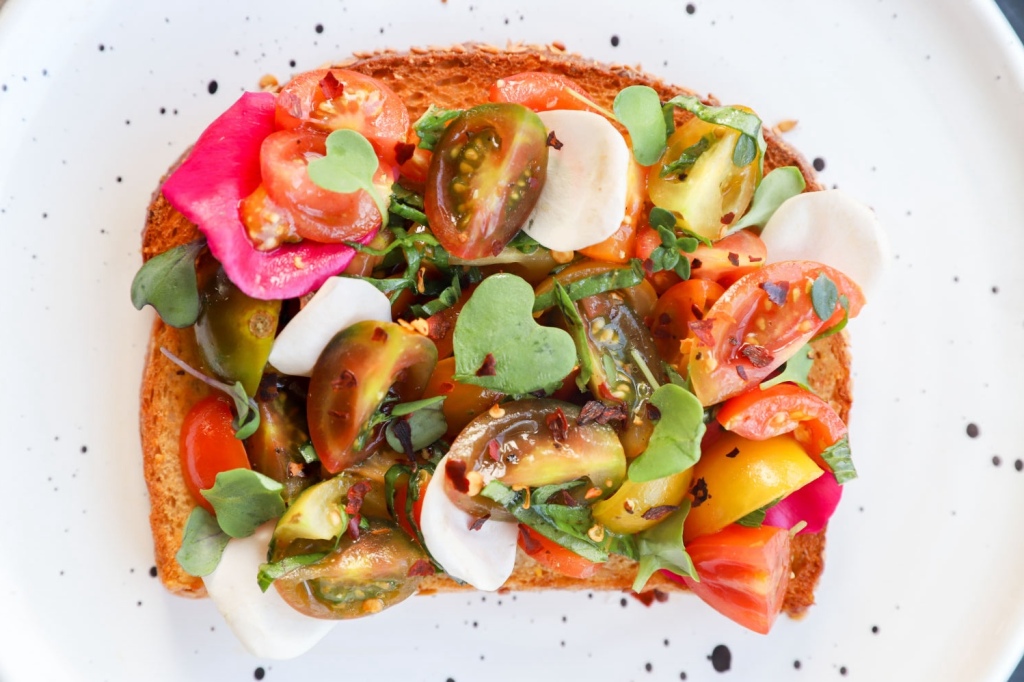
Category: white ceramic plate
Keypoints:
(914, 107)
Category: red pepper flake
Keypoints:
(734, 258)
(404, 152)
(695, 264)
(553, 141)
(754, 259)
(290, 102)
(331, 86)
(455, 470)
(702, 330)
(660, 597)
(741, 371)
(379, 335)
(420, 568)
(777, 291)
(700, 492)
(355, 497)
(564, 498)
(446, 387)
(698, 314)
(345, 380)
(648, 266)
(728, 218)
(478, 523)
(353, 526)
(438, 326)
(732, 453)
(649, 597)
(559, 426)
(659, 512)
(596, 411)
(759, 356)
(488, 368)
(527, 541)
(494, 450)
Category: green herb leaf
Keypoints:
(407, 204)
(662, 547)
(247, 415)
(499, 346)
(524, 243)
(745, 151)
(687, 158)
(752, 138)
(348, 167)
(425, 425)
(542, 494)
(675, 441)
(638, 107)
(402, 409)
(609, 280)
(776, 187)
(270, 572)
(243, 500)
(202, 545)
(839, 460)
(578, 331)
(448, 297)
(796, 370)
(431, 125)
(168, 283)
(845, 304)
(755, 519)
(308, 453)
(824, 297)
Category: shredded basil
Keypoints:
(755, 519)
(839, 460)
(602, 282)
(682, 165)
(432, 124)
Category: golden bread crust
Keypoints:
(456, 77)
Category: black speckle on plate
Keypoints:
(211, 87)
(819, 164)
(152, 572)
(319, 28)
(842, 669)
(690, 8)
(102, 47)
(1019, 465)
(996, 460)
(995, 289)
(623, 602)
(259, 673)
(972, 430)
(648, 667)
(721, 658)
(615, 41)
(796, 665)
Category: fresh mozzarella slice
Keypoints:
(340, 303)
(263, 622)
(584, 196)
(832, 228)
(483, 558)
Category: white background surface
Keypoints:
(915, 108)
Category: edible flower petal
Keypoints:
(814, 503)
(224, 168)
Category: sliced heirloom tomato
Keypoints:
(335, 99)
(485, 177)
(744, 573)
(463, 402)
(541, 91)
(290, 205)
(553, 556)
(207, 446)
(759, 323)
(728, 259)
(354, 375)
(684, 303)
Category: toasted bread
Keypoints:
(457, 77)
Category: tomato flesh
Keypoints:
(684, 303)
(207, 446)
(729, 258)
(553, 556)
(744, 573)
(485, 177)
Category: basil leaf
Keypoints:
(432, 124)
(402, 409)
(524, 243)
(845, 304)
(675, 442)
(776, 187)
(243, 500)
(609, 280)
(638, 107)
(755, 519)
(542, 494)
(839, 460)
(824, 297)
(425, 425)
(578, 331)
(662, 547)
(796, 370)
(448, 297)
(745, 151)
(168, 283)
(269, 572)
(752, 137)
(688, 157)
(202, 544)
(349, 166)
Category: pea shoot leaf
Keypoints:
(349, 166)
(638, 107)
(796, 370)
(662, 547)
(431, 125)
(824, 296)
(243, 500)
(202, 545)
(839, 461)
(168, 283)
(675, 441)
(499, 346)
(247, 415)
(775, 188)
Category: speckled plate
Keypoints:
(914, 107)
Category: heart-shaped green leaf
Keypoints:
(776, 187)
(499, 346)
(168, 283)
(675, 442)
(349, 166)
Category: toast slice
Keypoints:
(456, 77)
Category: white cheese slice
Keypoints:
(483, 558)
(340, 303)
(832, 228)
(263, 622)
(584, 196)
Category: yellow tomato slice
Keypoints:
(736, 476)
(629, 510)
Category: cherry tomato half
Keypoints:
(463, 402)
(541, 92)
(485, 177)
(745, 336)
(553, 556)
(744, 573)
(335, 99)
(207, 446)
(684, 303)
(729, 258)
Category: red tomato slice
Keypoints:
(207, 446)
(313, 212)
(729, 258)
(647, 240)
(541, 92)
(413, 162)
(619, 247)
(684, 303)
(553, 556)
(760, 415)
(745, 336)
(743, 573)
(401, 496)
(333, 99)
